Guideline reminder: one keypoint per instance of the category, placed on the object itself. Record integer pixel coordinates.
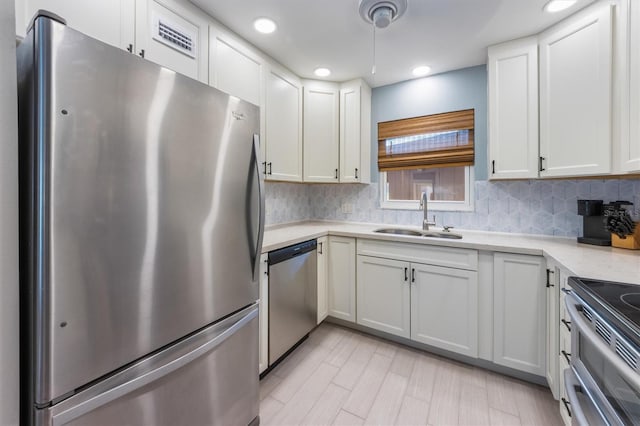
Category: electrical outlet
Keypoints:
(347, 208)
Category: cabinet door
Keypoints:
(110, 21)
(263, 303)
(234, 68)
(323, 289)
(444, 308)
(173, 35)
(519, 312)
(342, 278)
(631, 143)
(513, 109)
(321, 134)
(553, 328)
(283, 106)
(575, 95)
(350, 136)
(383, 295)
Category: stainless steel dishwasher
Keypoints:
(293, 295)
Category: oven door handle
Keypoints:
(581, 326)
(571, 385)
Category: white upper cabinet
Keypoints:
(171, 34)
(283, 126)
(234, 68)
(355, 131)
(630, 137)
(575, 95)
(513, 109)
(110, 21)
(168, 32)
(321, 131)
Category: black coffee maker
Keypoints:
(593, 229)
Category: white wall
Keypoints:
(8, 219)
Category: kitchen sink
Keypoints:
(411, 232)
(438, 234)
(399, 231)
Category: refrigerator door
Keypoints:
(146, 206)
(203, 380)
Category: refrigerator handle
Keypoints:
(258, 250)
(153, 375)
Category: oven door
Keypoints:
(608, 379)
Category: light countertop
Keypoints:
(605, 263)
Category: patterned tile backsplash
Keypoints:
(532, 207)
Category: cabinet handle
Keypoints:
(413, 275)
(270, 164)
(540, 164)
(130, 48)
(406, 277)
(264, 163)
(549, 271)
(320, 248)
(493, 167)
(566, 323)
(266, 271)
(141, 53)
(566, 355)
(336, 173)
(566, 406)
(356, 173)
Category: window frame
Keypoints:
(434, 205)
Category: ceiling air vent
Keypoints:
(171, 34)
(626, 354)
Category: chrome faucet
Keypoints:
(425, 208)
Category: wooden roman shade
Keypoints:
(439, 140)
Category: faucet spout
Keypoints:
(424, 205)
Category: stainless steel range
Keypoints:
(603, 383)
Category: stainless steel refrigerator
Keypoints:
(142, 220)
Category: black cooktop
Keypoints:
(616, 302)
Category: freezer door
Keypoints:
(204, 380)
(144, 192)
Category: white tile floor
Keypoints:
(342, 377)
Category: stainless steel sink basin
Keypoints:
(437, 234)
(411, 232)
(399, 231)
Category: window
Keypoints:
(432, 154)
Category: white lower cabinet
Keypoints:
(263, 317)
(553, 321)
(323, 264)
(342, 278)
(519, 305)
(431, 304)
(444, 308)
(383, 295)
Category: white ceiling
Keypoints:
(444, 34)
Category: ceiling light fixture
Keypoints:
(380, 13)
(421, 71)
(558, 5)
(264, 25)
(322, 72)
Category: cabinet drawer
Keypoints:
(432, 255)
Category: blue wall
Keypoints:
(450, 91)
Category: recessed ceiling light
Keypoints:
(322, 72)
(264, 25)
(421, 71)
(558, 5)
